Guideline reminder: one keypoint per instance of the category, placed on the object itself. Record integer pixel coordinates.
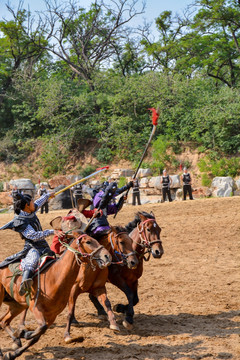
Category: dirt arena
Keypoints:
(189, 300)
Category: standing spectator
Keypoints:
(136, 192)
(77, 193)
(187, 182)
(42, 190)
(166, 182)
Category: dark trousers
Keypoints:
(44, 208)
(166, 192)
(187, 189)
(136, 195)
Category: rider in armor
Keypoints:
(104, 204)
(27, 224)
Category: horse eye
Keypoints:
(148, 230)
(121, 242)
(88, 242)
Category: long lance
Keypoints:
(82, 180)
(155, 116)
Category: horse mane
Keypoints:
(119, 228)
(132, 224)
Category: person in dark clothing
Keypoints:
(166, 182)
(27, 224)
(77, 193)
(187, 182)
(104, 203)
(136, 192)
(41, 192)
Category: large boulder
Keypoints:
(175, 181)
(26, 186)
(144, 172)
(61, 201)
(222, 186)
(143, 183)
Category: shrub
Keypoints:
(206, 181)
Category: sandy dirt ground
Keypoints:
(189, 300)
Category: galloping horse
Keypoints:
(145, 234)
(120, 246)
(55, 286)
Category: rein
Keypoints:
(116, 253)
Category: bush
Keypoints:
(206, 181)
(220, 167)
(89, 169)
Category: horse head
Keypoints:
(89, 249)
(122, 246)
(147, 234)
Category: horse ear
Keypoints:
(141, 216)
(151, 213)
(57, 223)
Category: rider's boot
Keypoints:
(27, 282)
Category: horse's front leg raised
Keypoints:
(101, 295)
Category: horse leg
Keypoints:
(22, 320)
(98, 306)
(101, 296)
(32, 336)
(71, 309)
(13, 310)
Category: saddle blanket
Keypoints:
(45, 262)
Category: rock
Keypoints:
(143, 183)
(237, 182)
(61, 201)
(201, 192)
(176, 184)
(144, 173)
(222, 186)
(179, 194)
(117, 173)
(26, 186)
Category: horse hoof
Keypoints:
(114, 327)
(68, 340)
(127, 325)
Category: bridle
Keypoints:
(91, 256)
(123, 256)
(145, 242)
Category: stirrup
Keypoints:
(25, 286)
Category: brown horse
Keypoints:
(55, 286)
(120, 246)
(145, 234)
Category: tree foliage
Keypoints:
(78, 77)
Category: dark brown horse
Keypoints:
(55, 285)
(120, 246)
(145, 234)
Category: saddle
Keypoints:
(45, 262)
